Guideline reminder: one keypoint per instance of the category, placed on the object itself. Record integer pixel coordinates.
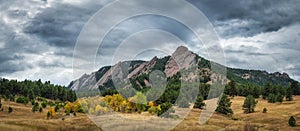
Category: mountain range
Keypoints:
(182, 58)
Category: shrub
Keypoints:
(199, 102)
(32, 102)
(35, 107)
(22, 99)
(272, 98)
(166, 109)
(11, 98)
(44, 104)
(154, 110)
(234, 118)
(10, 109)
(151, 104)
(41, 109)
(56, 108)
(292, 121)
(68, 112)
(249, 104)
(289, 94)
(48, 114)
(52, 111)
(141, 101)
(40, 99)
(265, 110)
(279, 98)
(74, 113)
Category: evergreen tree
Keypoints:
(249, 104)
(224, 105)
(272, 98)
(292, 121)
(295, 88)
(256, 91)
(199, 102)
(10, 109)
(279, 98)
(41, 109)
(265, 110)
(233, 90)
(289, 94)
(267, 90)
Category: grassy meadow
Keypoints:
(276, 118)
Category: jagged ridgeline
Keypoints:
(138, 73)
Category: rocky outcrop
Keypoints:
(182, 58)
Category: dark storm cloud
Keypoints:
(39, 35)
(59, 26)
(250, 17)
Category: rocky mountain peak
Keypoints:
(182, 58)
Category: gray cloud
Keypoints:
(250, 17)
(37, 38)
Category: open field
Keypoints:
(275, 119)
(22, 118)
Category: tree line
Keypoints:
(32, 89)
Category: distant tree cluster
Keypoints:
(272, 93)
(32, 89)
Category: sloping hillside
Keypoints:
(170, 65)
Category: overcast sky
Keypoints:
(38, 37)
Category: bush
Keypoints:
(22, 99)
(292, 121)
(265, 110)
(199, 102)
(249, 104)
(68, 112)
(41, 109)
(279, 98)
(56, 108)
(32, 102)
(234, 118)
(154, 110)
(48, 114)
(11, 98)
(10, 109)
(74, 113)
(40, 99)
(35, 107)
(272, 98)
(44, 104)
(166, 109)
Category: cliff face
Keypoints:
(181, 59)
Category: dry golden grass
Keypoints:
(22, 118)
(275, 119)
